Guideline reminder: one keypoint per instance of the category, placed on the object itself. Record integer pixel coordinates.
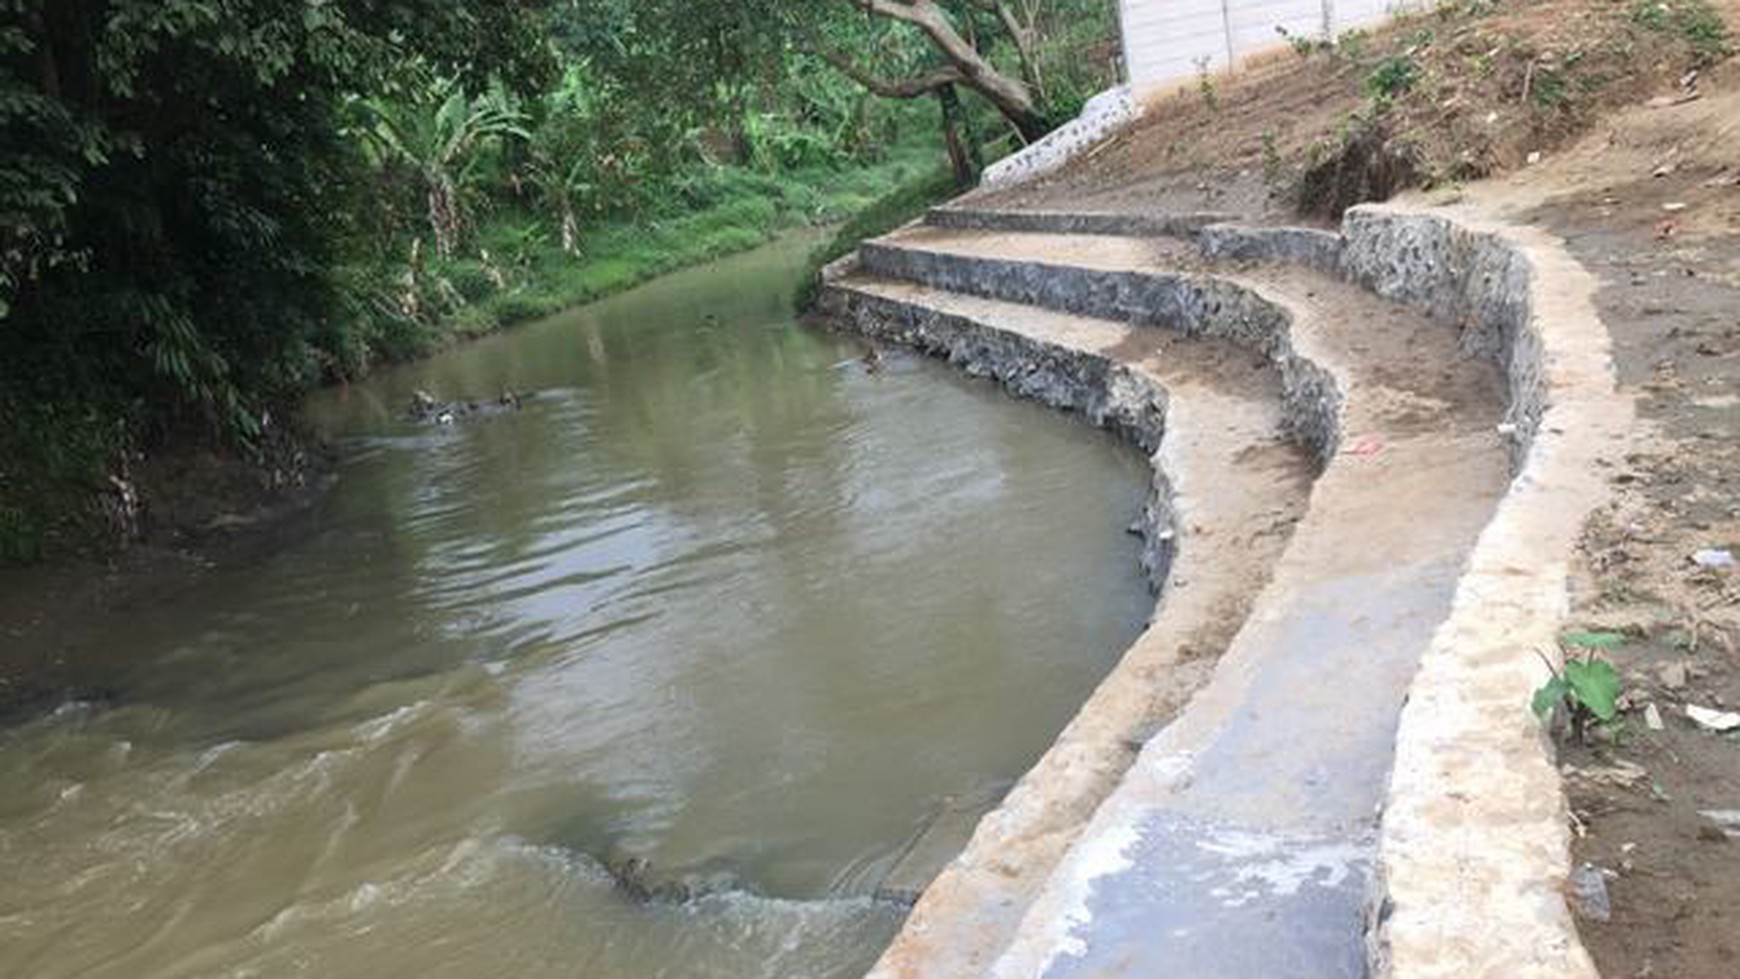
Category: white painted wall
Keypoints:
(1165, 40)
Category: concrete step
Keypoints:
(1239, 843)
(1076, 222)
(1228, 488)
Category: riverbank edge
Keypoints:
(197, 510)
(1474, 844)
(229, 491)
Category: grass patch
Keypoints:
(900, 205)
(1693, 20)
(515, 270)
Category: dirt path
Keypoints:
(1650, 202)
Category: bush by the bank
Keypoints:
(735, 210)
(900, 205)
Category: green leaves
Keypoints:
(440, 133)
(177, 194)
(1392, 77)
(1548, 696)
(1594, 684)
(1588, 686)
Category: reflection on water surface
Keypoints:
(712, 601)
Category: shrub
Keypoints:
(892, 210)
(1393, 76)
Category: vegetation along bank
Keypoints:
(209, 207)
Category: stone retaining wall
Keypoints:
(1474, 842)
(1191, 305)
(1076, 223)
(1108, 395)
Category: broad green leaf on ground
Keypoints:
(1595, 684)
(1548, 696)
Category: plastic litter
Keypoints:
(1587, 888)
(1713, 720)
(1714, 557)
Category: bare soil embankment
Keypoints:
(1459, 92)
(1650, 202)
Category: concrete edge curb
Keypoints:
(1474, 842)
(1102, 115)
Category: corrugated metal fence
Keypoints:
(1171, 40)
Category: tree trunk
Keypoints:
(1011, 99)
(966, 66)
(444, 215)
(1022, 36)
(963, 149)
(1009, 95)
(411, 298)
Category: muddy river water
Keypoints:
(714, 606)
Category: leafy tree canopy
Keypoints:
(174, 191)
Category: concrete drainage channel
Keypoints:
(1372, 452)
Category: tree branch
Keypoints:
(1010, 95)
(892, 88)
(908, 12)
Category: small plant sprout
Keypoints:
(1271, 158)
(1205, 84)
(1305, 45)
(1352, 44)
(1587, 687)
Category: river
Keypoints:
(719, 607)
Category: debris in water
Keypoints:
(1587, 888)
(1365, 447)
(1652, 718)
(1713, 720)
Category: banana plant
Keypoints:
(565, 155)
(442, 135)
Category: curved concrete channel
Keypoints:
(1334, 421)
